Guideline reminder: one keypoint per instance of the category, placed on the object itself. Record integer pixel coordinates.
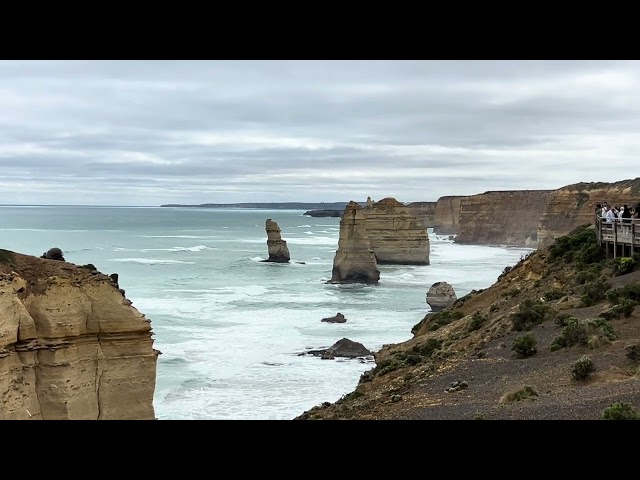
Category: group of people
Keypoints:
(617, 214)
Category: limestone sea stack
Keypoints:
(396, 236)
(354, 261)
(441, 295)
(72, 347)
(278, 250)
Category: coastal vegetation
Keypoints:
(564, 307)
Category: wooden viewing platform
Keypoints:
(619, 238)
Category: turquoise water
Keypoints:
(230, 326)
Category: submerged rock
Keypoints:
(338, 318)
(342, 348)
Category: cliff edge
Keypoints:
(72, 347)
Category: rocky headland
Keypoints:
(72, 346)
(446, 215)
(324, 213)
(556, 337)
(502, 218)
(395, 235)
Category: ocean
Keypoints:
(231, 327)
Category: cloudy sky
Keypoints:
(152, 132)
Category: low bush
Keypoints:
(620, 411)
(524, 345)
(582, 368)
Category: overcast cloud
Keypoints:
(152, 132)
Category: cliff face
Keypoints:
(502, 218)
(574, 205)
(277, 248)
(71, 345)
(396, 236)
(354, 261)
(446, 215)
(424, 212)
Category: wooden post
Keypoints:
(615, 239)
(633, 236)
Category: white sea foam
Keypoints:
(149, 261)
(176, 236)
(304, 226)
(313, 241)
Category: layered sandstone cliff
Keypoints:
(446, 215)
(71, 345)
(354, 261)
(277, 248)
(424, 212)
(502, 217)
(574, 205)
(395, 235)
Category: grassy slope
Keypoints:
(461, 363)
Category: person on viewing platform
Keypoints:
(610, 216)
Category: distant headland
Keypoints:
(270, 206)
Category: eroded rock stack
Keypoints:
(396, 236)
(441, 295)
(354, 261)
(71, 345)
(278, 250)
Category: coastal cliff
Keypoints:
(446, 215)
(424, 212)
(502, 218)
(574, 205)
(396, 236)
(72, 347)
(354, 261)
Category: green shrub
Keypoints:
(624, 308)
(443, 318)
(525, 345)
(477, 320)
(494, 308)
(563, 319)
(631, 291)
(590, 331)
(529, 314)
(623, 265)
(580, 246)
(594, 291)
(416, 355)
(620, 411)
(553, 294)
(590, 274)
(582, 368)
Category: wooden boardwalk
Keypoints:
(620, 239)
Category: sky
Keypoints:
(224, 131)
